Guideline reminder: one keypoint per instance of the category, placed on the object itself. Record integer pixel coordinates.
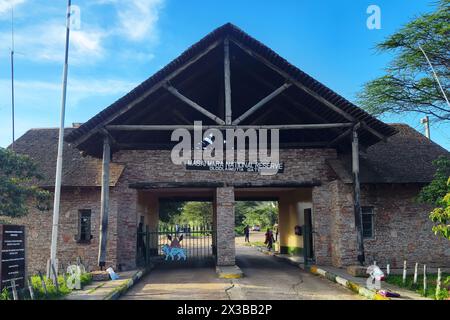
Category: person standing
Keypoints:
(247, 233)
(269, 239)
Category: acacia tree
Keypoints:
(437, 193)
(17, 189)
(408, 84)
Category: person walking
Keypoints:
(247, 233)
(276, 231)
(269, 239)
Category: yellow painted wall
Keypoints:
(291, 205)
(148, 207)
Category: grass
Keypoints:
(431, 284)
(255, 243)
(52, 293)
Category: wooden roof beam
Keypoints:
(300, 85)
(194, 105)
(261, 103)
(227, 80)
(147, 93)
(225, 127)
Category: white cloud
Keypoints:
(45, 42)
(38, 102)
(5, 6)
(77, 90)
(138, 18)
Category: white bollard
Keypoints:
(404, 272)
(415, 273)
(424, 279)
(388, 269)
(438, 283)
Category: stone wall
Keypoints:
(342, 224)
(39, 229)
(225, 226)
(301, 165)
(402, 228)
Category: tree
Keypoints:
(408, 84)
(18, 174)
(441, 216)
(195, 213)
(438, 188)
(169, 211)
(437, 193)
(240, 211)
(264, 215)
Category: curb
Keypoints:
(232, 272)
(117, 292)
(356, 288)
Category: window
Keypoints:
(367, 222)
(84, 226)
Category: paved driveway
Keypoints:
(265, 278)
(268, 278)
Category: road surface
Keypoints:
(265, 278)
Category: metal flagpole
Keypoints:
(12, 74)
(53, 248)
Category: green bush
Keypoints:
(239, 230)
(5, 295)
(85, 279)
(52, 292)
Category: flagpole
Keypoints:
(59, 161)
(12, 76)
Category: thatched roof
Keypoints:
(405, 158)
(42, 146)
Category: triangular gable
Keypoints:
(306, 95)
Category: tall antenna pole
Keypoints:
(435, 75)
(53, 248)
(12, 74)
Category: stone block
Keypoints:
(357, 271)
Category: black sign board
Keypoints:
(12, 262)
(234, 166)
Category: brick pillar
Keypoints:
(225, 226)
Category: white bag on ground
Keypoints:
(112, 274)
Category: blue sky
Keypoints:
(123, 42)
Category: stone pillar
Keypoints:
(225, 226)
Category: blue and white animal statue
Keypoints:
(172, 252)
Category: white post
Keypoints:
(388, 269)
(415, 273)
(59, 160)
(424, 279)
(104, 199)
(426, 122)
(404, 272)
(438, 283)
